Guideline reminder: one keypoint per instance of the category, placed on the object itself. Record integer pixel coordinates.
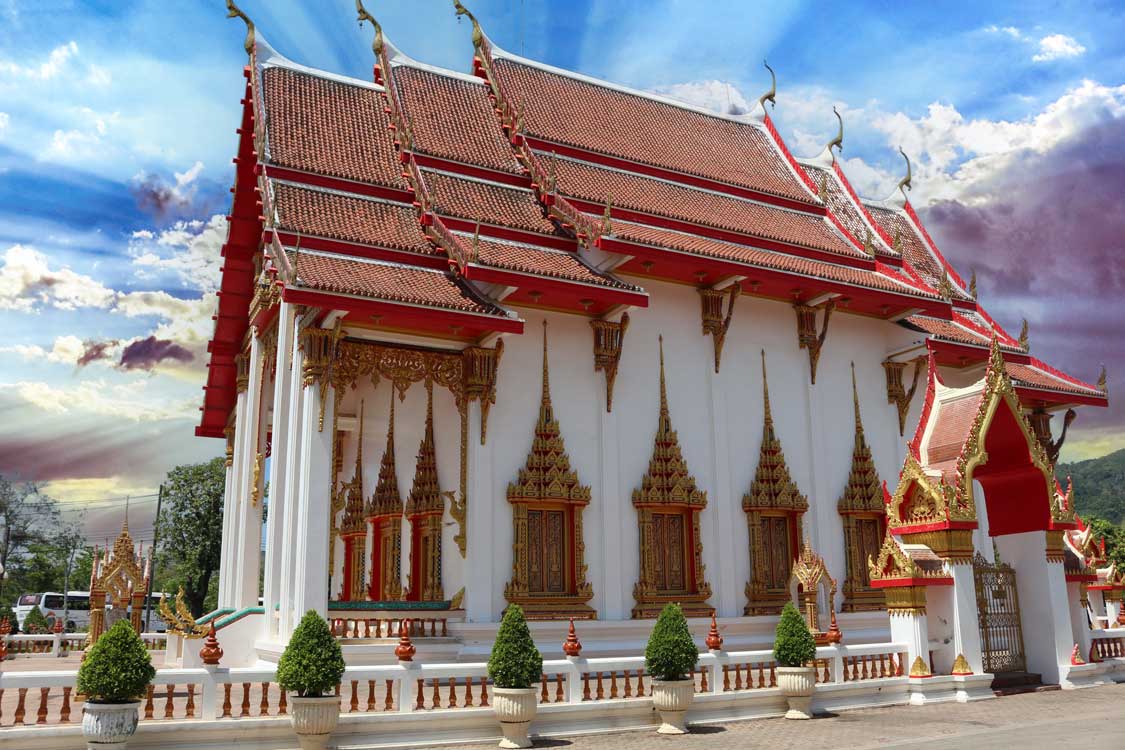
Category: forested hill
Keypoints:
(1099, 485)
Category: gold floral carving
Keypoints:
(921, 499)
(319, 346)
(256, 481)
(919, 668)
(424, 508)
(905, 601)
(547, 483)
(897, 393)
(385, 507)
(668, 486)
(892, 563)
(807, 336)
(480, 367)
(860, 506)
(242, 372)
(608, 340)
(716, 323)
(772, 492)
(228, 458)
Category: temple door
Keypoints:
(778, 552)
(547, 553)
(669, 533)
(868, 538)
(388, 564)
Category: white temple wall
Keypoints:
(718, 418)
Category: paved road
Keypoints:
(1094, 717)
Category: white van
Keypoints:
(52, 604)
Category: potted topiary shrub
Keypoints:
(35, 623)
(515, 667)
(670, 658)
(793, 650)
(113, 677)
(310, 668)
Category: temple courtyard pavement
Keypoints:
(1085, 718)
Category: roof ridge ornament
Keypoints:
(838, 141)
(377, 45)
(233, 11)
(973, 284)
(1023, 339)
(478, 34)
(769, 96)
(1102, 386)
(905, 183)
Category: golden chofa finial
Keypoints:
(904, 183)
(838, 141)
(233, 11)
(1102, 385)
(478, 35)
(1024, 334)
(973, 284)
(361, 16)
(770, 95)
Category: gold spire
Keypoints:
(386, 501)
(773, 487)
(863, 491)
(771, 95)
(233, 11)
(361, 16)
(425, 495)
(353, 490)
(545, 412)
(973, 284)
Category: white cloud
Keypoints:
(1057, 46)
(4, 120)
(132, 400)
(188, 249)
(1011, 31)
(718, 96)
(47, 69)
(27, 282)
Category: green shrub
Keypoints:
(671, 653)
(6, 613)
(35, 622)
(515, 661)
(117, 668)
(312, 664)
(793, 643)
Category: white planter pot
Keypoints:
(797, 685)
(314, 719)
(672, 698)
(515, 708)
(108, 726)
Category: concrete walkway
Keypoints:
(1093, 717)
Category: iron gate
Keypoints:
(998, 610)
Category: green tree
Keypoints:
(515, 661)
(1114, 537)
(312, 664)
(27, 517)
(671, 653)
(35, 622)
(190, 532)
(794, 645)
(1097, 485)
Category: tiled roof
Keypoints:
(914, 249)
(452, 118)
(947, 330)
(954, 419)
(386, 281)
(327, 213)
(517, 256)
(329, 127)
(1035, 377)
(629, 190)
(487, 202)
(607, 120)
(692, 243)
(844, 208)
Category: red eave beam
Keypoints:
(607, 295)
(430, 315)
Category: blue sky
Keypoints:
(117, 128)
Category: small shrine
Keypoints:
(814, 592)
(120, 578)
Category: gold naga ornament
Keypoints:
(548, 550)
(668, 504)
(773, 506)
(180, 620)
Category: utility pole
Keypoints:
(152, 573)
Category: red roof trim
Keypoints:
(510, 277)
(427, 161)
(366, 305)
(355, 249)
(337, 183)
(456, 224)
(802, 175)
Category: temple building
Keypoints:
(518, 335)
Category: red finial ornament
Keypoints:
(5, 630)
(833, 635)
(1093, 653)
(404, 651)
(211, 651)
(58, 626)
(1120, 611)
(714, 640)
(572, 646)
(1076, 656)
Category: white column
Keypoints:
(966, 624)
(295, 457)
(1044, 610)
(1079, 625)
(914, 631)
(719, 551)
(249, 540)
(279, 487)
(480, 585)
(229, 574)
(226, 560)
(313, 504)
(611, 503)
